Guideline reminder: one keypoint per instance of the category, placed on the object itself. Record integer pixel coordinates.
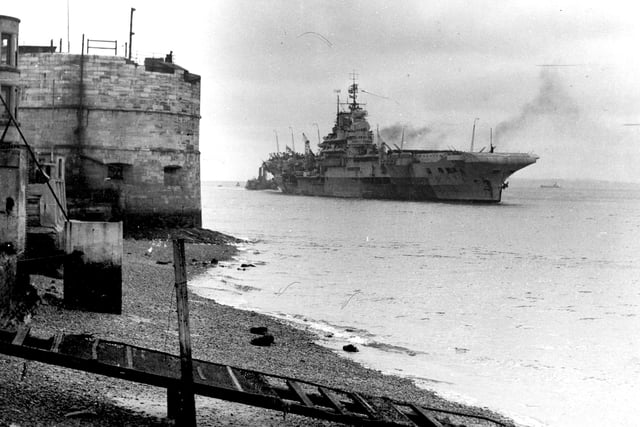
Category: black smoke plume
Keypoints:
(414, 137)
(553, 110)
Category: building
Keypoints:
(13, 171)
(128, 134)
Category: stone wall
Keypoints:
(130, 136)
(13, 213)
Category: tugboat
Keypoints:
(349, 164)
(261, 182)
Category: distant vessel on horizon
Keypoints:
(349, 164)
(554, 185)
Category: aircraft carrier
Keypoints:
(350, 164)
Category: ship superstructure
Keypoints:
(350, 164)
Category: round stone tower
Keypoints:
(13, 166)
(9, 76)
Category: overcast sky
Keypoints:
(559, 79)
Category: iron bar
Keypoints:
(34, 158)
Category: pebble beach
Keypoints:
(33, 393)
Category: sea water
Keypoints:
(530, 307)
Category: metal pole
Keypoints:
(293, 143)
(68, 39)
(34, 158)
(491, 148)
(473, 132)
(187, 406)
(318, 128)
(131, 33)
(277, 143)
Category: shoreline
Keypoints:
(334, 337)
(33, 393)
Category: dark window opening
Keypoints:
(40, 175)
(60, 168)
(428, 171)
(173, 176)
(8, 205)
(7, 50)
(440, 170)
(4, 49)
(115, 172)
(9, 99)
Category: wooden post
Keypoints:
(186, 410)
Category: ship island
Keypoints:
(350, 164)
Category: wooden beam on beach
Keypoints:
(425, 418)
(57, 340)
(332, 400)
(22, 333)
(147, 366)
(295, 387)
(364, 405)
(186, 408)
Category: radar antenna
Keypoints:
(353, 92)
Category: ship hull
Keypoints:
(392, 189)
(444, 176)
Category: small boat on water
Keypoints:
(555, 185)
(261, 182)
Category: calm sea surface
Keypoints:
(530, 307)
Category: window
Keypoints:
(440, 170)
(4, 49)
(7, 49)
(115, 172)
(7, 93)
(173, 176)
(60, 168)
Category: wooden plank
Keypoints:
(359, 411)
(424, 417)
(387, 410)
(22, 333)
(94, 349)
(129, 355)
(332, 400)
(57, 340)
(295, 387)
(365, 405)
(200, 373)
(235, 381)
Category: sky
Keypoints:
(554, 78)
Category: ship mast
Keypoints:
(473, 132)
(353, 92)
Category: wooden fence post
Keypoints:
(186, 407)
